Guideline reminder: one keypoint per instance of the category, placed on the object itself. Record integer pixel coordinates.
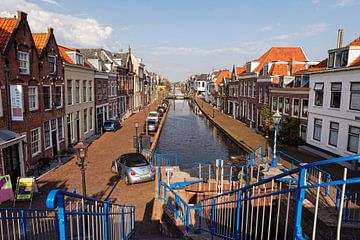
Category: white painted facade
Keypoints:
(344, 115)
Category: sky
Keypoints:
(177, 38)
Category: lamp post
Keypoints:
(276, 119)
(136, 124)
(81, 151)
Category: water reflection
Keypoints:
(188, 133)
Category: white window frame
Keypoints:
(33, 154)
(293, 107)
(54, 57)
(71, 92)
(25, 61)
(84, 91)
(36, 98)
(85, 121)
(302, 106)
(321, 127)
(47, 109)
(50, 138)
(333, 130)
(348, 136)
(61, 96)
(62, 130)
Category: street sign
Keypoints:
(6, 191)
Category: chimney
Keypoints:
(50, 30)
(340, 38)
(21, 15)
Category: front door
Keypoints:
(54, 143)
(12, 163)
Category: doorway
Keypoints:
(12, 163)
(54, 143)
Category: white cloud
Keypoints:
(69, 30)
(283, 36)
(266, 29)
(347, 3)
(316, 28)
(52, 2)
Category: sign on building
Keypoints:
(17, 104)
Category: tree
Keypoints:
(266, 117)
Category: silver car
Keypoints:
(134, 168)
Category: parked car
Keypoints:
(133, 168)
(111, 125)
(153, 115)
(152, 125)
(161, 110)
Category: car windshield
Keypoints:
(136, 162)
(153, 115)
(151, 122)
(108, 124)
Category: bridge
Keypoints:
(243, 198)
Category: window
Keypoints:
(266, 94)
(99, 91)
(337, 59)
(33, 98)
(47, 138)
(317, 129)
(319, 94)
(355, 96)
(84, 91)
(79, 59)
(35, 141)
(353, 139)
(69, 92)
(1, 106)
(24, 65)
(296, 107)
(274, 104)
(249, 89)
(58, 96)
(297, 82)
(305, 104)
(344, 58)
(52, 64)
(331, 60)
(260, 95)
(85, 120)
(91, 118)
(241, 89)
(90, 91)
(335, 95)
(253, 89)
(266, 69)
(287, 105)
(281, 104)
(47, 97)
(77, 91)
(104, 91)
(69, 120)
(60, 121)
(333, 134)
(303, 129)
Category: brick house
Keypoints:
(31, 96)
(261, 74)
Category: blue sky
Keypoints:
(179, 38)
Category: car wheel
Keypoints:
(127, 180)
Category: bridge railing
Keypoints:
(352, 207)
(271, 208)
(28, 224)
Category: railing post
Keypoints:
(159, 179)
(213, 219)
(238, 215)
(23, 223)
(123, 223)
(187, 217)
(165, 191)
(300, 196)
(106, 222)
(131, 223)
(327, 187)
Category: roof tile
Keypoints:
(40, 40)
(7, 26)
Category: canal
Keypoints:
(193, 137)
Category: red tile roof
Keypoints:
(356, 42)
(240, 70)
(40, 40)
(355, 63)
(7, 26)
(63, 54)
(320, 66)
(222, 74)
(279, 69)
(280, 54)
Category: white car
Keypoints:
(153, 116)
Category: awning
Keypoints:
(7, 135)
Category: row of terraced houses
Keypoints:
(52, 96)
(323, 95)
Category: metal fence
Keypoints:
(271, 208)
(69, 216)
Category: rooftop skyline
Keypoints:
(180, 38)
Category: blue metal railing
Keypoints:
(69, 216)
(235, 214)
(352, 207)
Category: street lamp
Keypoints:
(136, 124)
(81, 152)
(276, 120)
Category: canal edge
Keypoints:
(242, 145)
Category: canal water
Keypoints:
(193, 137)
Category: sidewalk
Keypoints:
(234, 129)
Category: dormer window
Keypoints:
(338, 59)
(79, 59)
(52, 64)
(266, 69)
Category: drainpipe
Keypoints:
(7, 92)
